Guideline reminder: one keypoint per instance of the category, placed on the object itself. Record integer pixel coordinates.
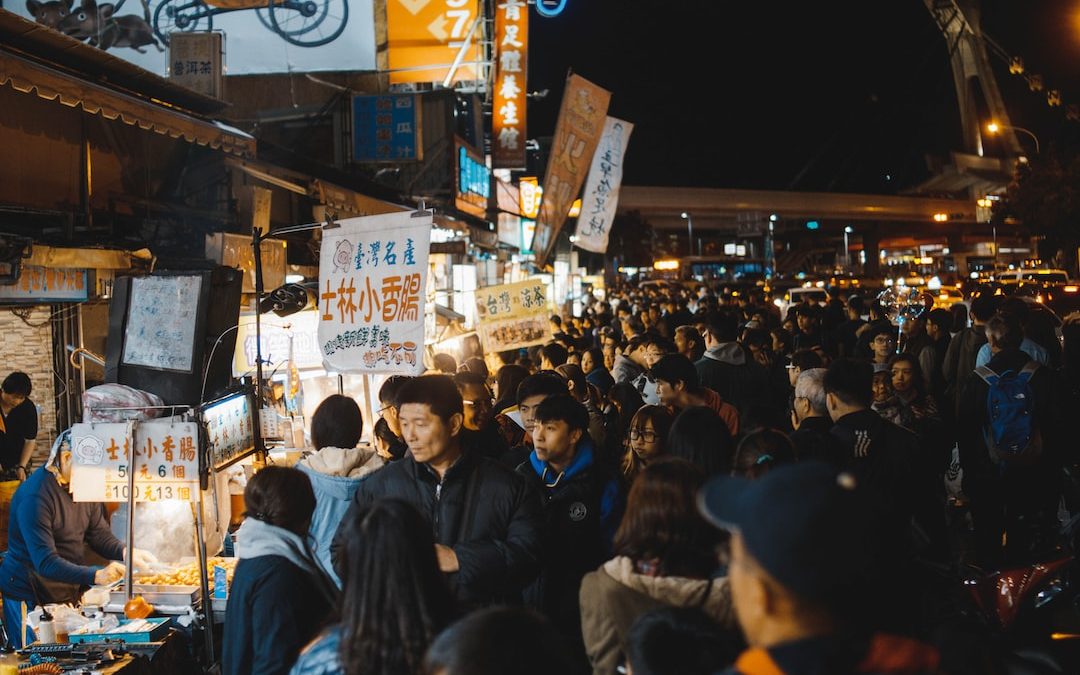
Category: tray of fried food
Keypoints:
(185, 574)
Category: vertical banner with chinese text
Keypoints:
(577, 132)
(513, 315)
(372, 281)
(166, 461)
(602, 188)
(511, 72)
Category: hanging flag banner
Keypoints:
(602, 188)
(166, 461)
(511, 71)
(513, 315)
(372, 281)
(580, 123)
(425, 36)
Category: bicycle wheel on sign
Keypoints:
(309, 23)
(181, 16)
(264, 18)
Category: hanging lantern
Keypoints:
(1035, 82)
(1072, 112)
(1053, 97)
(1016, 66)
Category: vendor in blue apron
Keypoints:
(47, 535)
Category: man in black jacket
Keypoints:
(486, 519)
(885, 457)
(583, 505)
(812, 437)
(1015, 498)
(530, 394)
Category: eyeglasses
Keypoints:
(884, 339)
(384, 409)
(647, 436)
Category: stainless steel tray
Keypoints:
(160, 595)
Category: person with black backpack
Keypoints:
(1010, 449)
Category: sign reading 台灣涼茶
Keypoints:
(372, 282)
(166, 461)
(513, 315)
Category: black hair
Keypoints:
(722, 326)
(557, 320)
(702, 437)
(662, 343)
(984, 305)
(389, 389)
(916, 371)
(466, 378)
(437, 391)
(941, 318)
(500, 640)
(805, 359)
(1004, 331)
(336, 423)
(383, 433)
(851, 381)
(673, 368)
(856, 304)
(508, 379)
(761, 450)
(959, 313)
(395, 600)
(475, 364)
(877, 329)
(563, 409)
(555, 353)
(17, 383)
(541, 384)
(597, 355)
(445, 363)
(679, 641)
(281, 496)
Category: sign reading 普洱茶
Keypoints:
(372, 281)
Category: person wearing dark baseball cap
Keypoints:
(800, 555)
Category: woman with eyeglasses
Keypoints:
(665, 556)
(646, 439)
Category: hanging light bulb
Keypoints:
(1035, 82)
(1016, 66)
(1053, 97)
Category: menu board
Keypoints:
(166, 461)
(230, 428)
(162, 313)
(512, 316)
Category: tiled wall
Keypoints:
(27, 346)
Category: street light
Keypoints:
(689, 232)
(994, 128)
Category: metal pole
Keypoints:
(130, 572)
(256, 245)
(847, 252)
(207, 600)
(690, 234)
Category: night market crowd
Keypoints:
(679, 482)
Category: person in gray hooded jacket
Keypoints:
(335, 469)
(727, 370)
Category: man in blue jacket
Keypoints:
(583, 506)
(46, 545)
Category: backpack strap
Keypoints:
(988, 376)
(1028, 370)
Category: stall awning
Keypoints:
(94, 258)
(51, 84)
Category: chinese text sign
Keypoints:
(511, 71)
(166, 461)
(581, 121)
(386, 128)
(602, 188)
(513, 315)
(372, 281)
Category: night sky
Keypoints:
(841, 95)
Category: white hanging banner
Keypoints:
(602, 187)
(372, 284)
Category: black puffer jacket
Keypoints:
(488, 514)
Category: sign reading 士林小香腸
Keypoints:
(372, 291)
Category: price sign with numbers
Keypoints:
(166, 461)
